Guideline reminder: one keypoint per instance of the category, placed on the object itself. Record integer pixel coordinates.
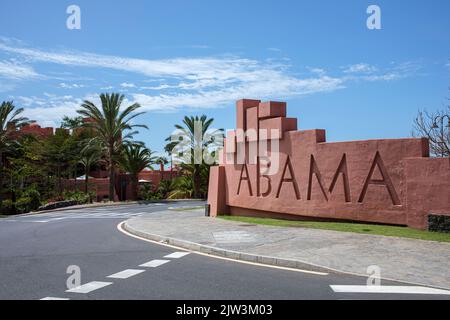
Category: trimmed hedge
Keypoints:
(439, 223)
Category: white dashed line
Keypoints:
(389, 289)
(177, 255)
(126, 274)
(154, 263)
(89, 287)
(53, 298)
(25, 221)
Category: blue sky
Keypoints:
(181, 58)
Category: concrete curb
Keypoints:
(192, 246)
(247, 257)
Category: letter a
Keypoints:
(246, 178)
(75, 279)
(386, 181)
(374, 20)
(292, 180)
(74, 20)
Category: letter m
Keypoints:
(341, 170)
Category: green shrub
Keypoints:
(147, 193)
(183, 188)
(35, 197)
(6, 207)
(23, 205)
(79, 197)
(438, 223)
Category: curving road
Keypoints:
(35, 252)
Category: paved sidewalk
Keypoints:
(413, 261)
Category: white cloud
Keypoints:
(127, 85)
(11, 70)
(360, 68)
(205, 82)
(195, 82)
(382, 77)
(160, 87)
(225, 96)
(71, 85)
(318, 71)
(50, 109)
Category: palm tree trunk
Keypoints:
(75, 177)
(1, 185)
(111, 176)
(13, 197)
(134, 186)
(59, 180)
(1, 177)
(86, 180)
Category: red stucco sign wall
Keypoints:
(268, 168)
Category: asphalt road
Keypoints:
(35, 252)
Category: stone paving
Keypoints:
(414, 261)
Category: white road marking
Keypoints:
(389, 289)
(53, 298)
(159, 204)
(24, 220)
(125, 274)
(154, 263)
(176, 255)
(89, 287)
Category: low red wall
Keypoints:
(99, 186)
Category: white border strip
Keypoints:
(125, 274)
(89, 287)
(389, 289)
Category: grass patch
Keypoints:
(390, 231)
(187, 208)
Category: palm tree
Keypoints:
(90, 155)
(194, 141)
(10, 120)
(112, 127)
(162, 161)
(134, 159)
(169, 150)
(183, 188)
